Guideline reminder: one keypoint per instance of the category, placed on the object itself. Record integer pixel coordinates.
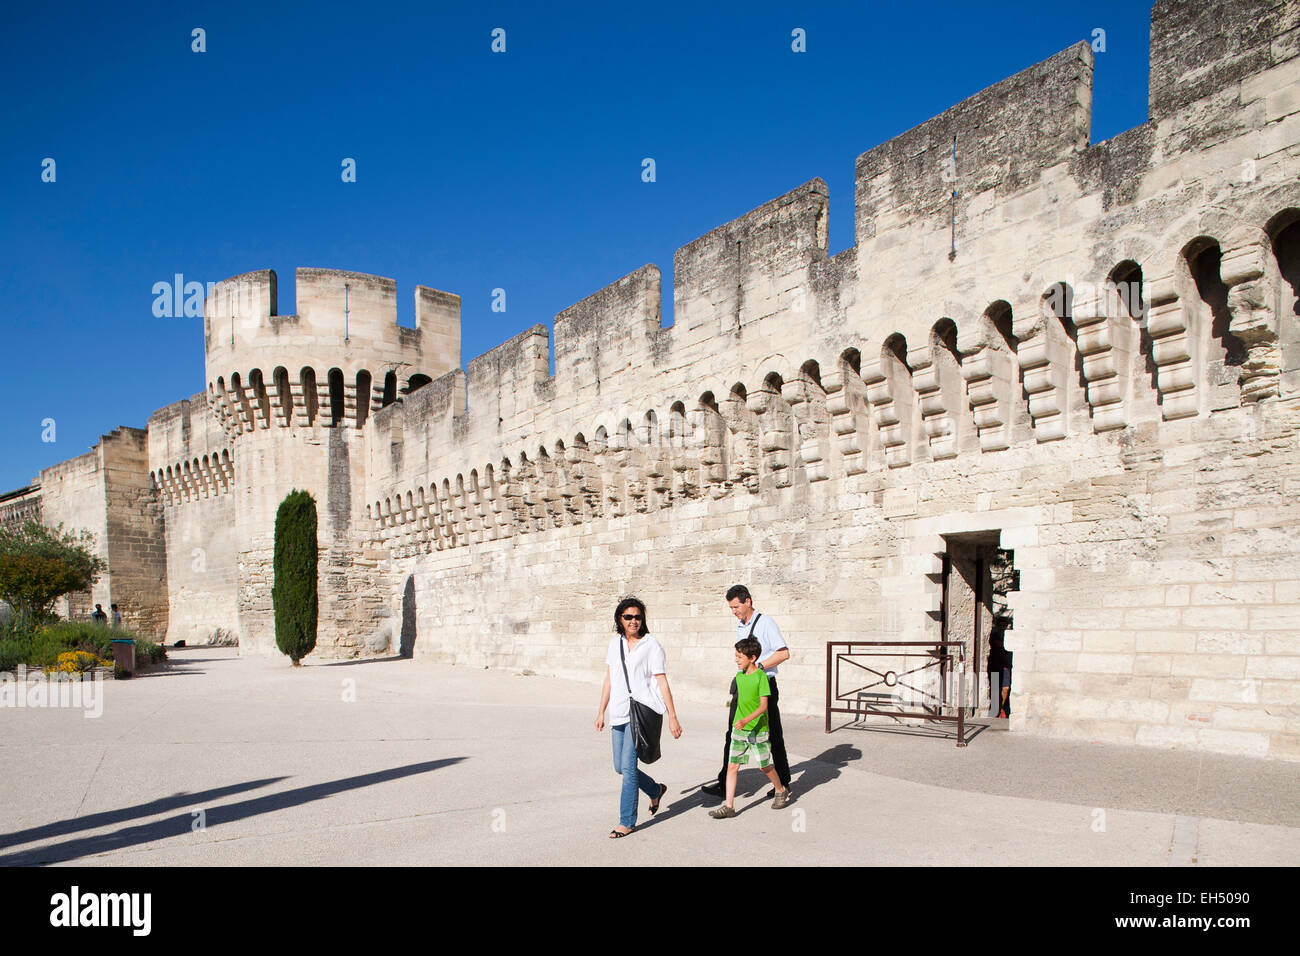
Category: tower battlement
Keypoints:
(341, 354)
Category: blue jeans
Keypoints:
(633, 777)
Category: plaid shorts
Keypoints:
(751, 740)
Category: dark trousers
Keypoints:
(774, 736)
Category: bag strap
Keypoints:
(623, 661)
(754, 625)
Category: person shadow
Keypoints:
(804, 778)
(822, 769)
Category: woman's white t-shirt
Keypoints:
(643, 662)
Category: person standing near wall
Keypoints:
(999, 669)
(637, 669)
(773, 653)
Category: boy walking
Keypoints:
(749, 732)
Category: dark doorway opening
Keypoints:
(977, 575)
(407, 647)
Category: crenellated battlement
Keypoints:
(338, 357)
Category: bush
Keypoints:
(13, 652)
(85, 636)
(38, 565)
(78, 662)
(293, 593)
(148, 653)
(53, 646)
(45, 650)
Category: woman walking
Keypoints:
(647, 682)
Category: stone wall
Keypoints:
(137, 558)
(109, 492)
(193, 471)
(73, 495)
(1079, 352)
(1086, 355)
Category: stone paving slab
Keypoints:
(435, 764)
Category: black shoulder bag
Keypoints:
(647, 723)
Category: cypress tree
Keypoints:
(293, 592)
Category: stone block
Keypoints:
(1165, 642)
(1234, 742)
(1148, 664)
(1208, 665)
(1226, 691)
(1105, 663)
(1274, 668)
(1284, 618)
(1251, 719)
(1254, 592)
(1109, 641)
(1215, 618)
(1228, 642)
(1173, 737)
(1151, 618)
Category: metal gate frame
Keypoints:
(940, 654)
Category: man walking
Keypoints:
(773, 653)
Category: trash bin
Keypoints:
(124, 655)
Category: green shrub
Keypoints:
(293, 592)
(85, 636)
(43, 647)
(148, 653)
(13, 651)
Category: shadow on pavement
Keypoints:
(161, 805)
(214, 816)
(804, 777)
(360, 660)
(168, 669)
(822, 769)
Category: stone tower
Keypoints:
(293, 393)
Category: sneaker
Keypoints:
(782, 799)
(723, 812)
(713, 790)
(772, 792)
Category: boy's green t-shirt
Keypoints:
(750, 689)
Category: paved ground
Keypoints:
(438, 764)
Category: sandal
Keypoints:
(654, 805)
(615, 834)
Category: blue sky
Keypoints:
(475, 170)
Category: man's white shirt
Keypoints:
(766, 633)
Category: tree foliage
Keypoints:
(293, 592)
(38, 565)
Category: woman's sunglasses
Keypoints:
(631, 617)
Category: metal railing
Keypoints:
(928, 688)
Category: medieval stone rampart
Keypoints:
(1086, 353)
(1076, 363)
